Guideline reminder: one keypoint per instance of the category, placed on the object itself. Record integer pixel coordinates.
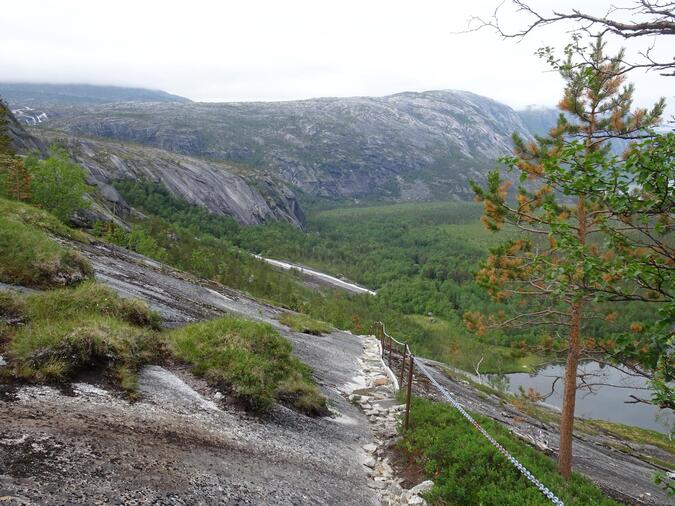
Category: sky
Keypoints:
(282, 50)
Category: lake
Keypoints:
(604, 402)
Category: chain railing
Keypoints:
(387, 344)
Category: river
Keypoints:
(603, 402)
(318, 276)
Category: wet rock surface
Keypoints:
(181, 444)
(173, 447)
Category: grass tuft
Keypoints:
(90, 298)
(248, 359)
(38, 219)
(302, 323)
(31, 258)
(12, 307)
(68, 331)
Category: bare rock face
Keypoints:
(224, 189)
(408, 146)
(22, 142)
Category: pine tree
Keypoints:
(15, 181)
(5, 142)
(567, 259)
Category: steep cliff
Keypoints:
(249, 197)
(20, 140)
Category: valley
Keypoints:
(316, 218)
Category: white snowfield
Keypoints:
(320, 276)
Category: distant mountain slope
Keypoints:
(409, 146)
(21, 141)
(249, 198)
(539, 120)
(29, 94)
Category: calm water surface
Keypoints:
(603, 402)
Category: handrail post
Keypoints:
(382, 338)
(389, 352)
(409, 393)
(404, 355)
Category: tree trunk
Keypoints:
(570, 392)
(569, 395)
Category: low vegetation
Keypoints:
(249, 360)
(302, 323)
(467, 469)
(629, 439)
(29, 256)
(418, 255)
(39, 219)
(54, 336)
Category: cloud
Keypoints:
(270, 50)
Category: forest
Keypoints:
(420, 257)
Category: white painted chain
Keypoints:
(543, 488)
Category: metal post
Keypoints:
(381, 327)
(409, 392)
(389, 352)
(404, 355)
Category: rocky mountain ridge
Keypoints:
(249, 197)
(27, 94)
(408, 146)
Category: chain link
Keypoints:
(543, 488)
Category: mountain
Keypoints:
(29, 94)
(249, 197)
(408, 146)
(539, 120)
(20, 140)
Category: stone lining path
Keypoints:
(379, 402)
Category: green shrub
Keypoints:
(250, 360)
(467, 469)
(57, 183)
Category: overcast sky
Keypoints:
(279, 50)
